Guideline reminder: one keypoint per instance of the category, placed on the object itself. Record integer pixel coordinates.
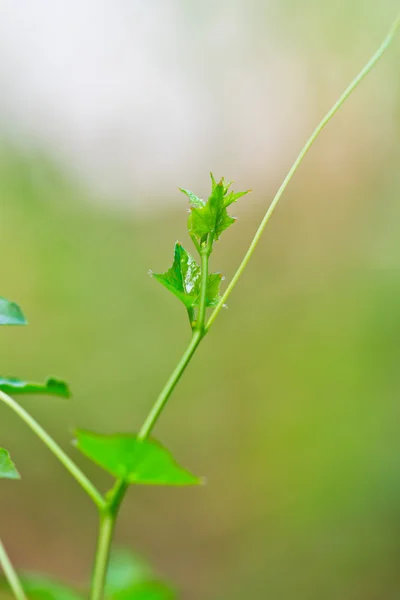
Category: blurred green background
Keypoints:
(291, 406)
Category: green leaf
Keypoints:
(133, 460)
(194, 200)
(38, 587)
(51, 387)
(7, 467)
(147, 590)
(125, 570)
(213, 217)
(213, 289)
(213, 182)
(10, 313)
(184, 280)
(234, 197)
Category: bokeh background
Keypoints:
(291, 407)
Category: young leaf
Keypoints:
(194, 200)
(184, 280)
(146, 590)
(7, 467)
(133, 460)
(51, 387)
(212, 217)
(234, 197)
(10, 313)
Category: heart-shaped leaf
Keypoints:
(51, 387)
(7, 467)
(184, 280)
(10, 313)
(133, 460)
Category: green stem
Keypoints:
(108, 517)
(201, 331)
(162, 399)
(55, 449)
(10, 574)
(205, 254)
(115, 497)
(348, 91)
(106, 530)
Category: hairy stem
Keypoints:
(10, 574)
(348, 91)
(69, 464)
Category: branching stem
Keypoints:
(108, 515)
(109, 506)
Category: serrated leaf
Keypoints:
(212, 217)
(51, 387)
(125, 570)
(194, 200)
(137, 461)
(10, 313)
(147, 590)
(234, 197)
(184, 280)
(213, 182)
(7, 468)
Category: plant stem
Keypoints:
(205, 254)
(109, 513)
(162, 399)
(55, 449)
(108, 517)
(106, 530)
(177, 373)
(10, 574)
(348, 91)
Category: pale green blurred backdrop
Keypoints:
(291, 406)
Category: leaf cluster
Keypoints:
(206, 223)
